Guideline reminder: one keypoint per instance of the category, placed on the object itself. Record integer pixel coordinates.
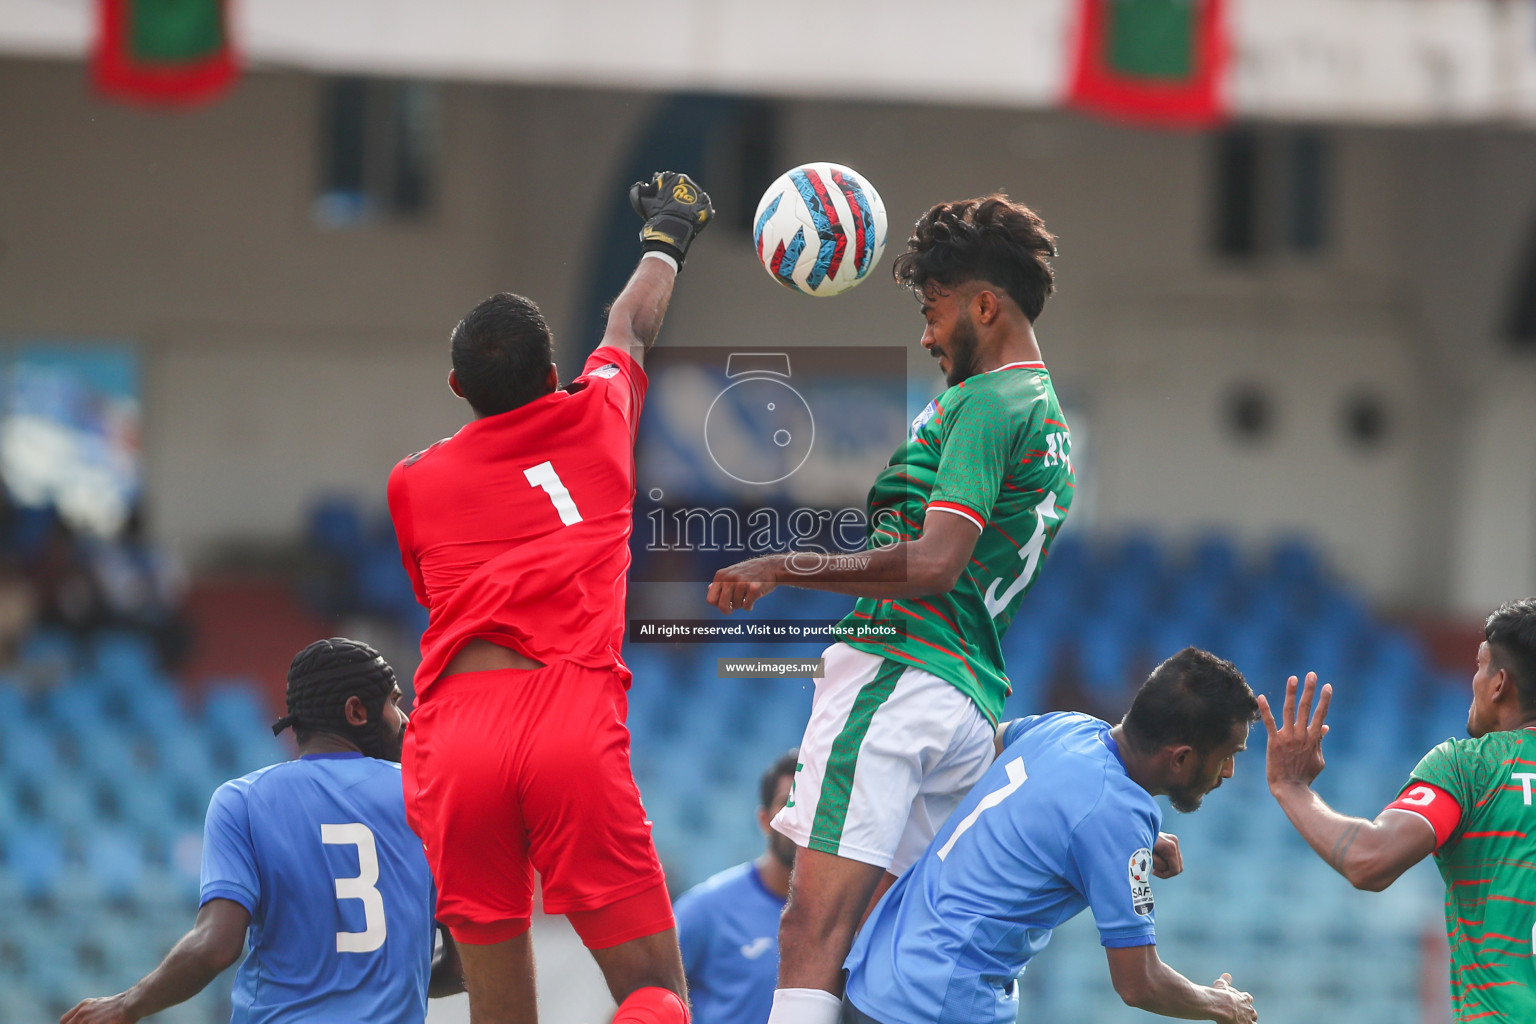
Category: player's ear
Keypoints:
(355, 710)
(552, 379)
(763, 817)
(1180, 758)
(984, 307)
(453, 383)
(1499, 685)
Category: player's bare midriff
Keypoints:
(484, 656)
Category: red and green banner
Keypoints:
(164, 51)
(1156, 62)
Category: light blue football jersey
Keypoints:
(728, 928)
(337, 884)
(1054, 826)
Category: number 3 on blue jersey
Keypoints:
(363, 886)
(1016, 777)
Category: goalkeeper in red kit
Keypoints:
(515, 533)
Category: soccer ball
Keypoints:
(819, 229)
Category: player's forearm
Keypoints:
(1169, 994)
(186, 970)
(1346, 844)
(895, 571)
(635, 318)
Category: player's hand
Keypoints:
(675, 210)
(740, 585)
(1167, 861)
(1295, 752)
(1236, 1007)
(109, 1010)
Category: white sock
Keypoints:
(804, 1006)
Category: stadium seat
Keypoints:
(50, 653)
(124, 660)
(114, 860)
(232, 707)
(67, 800)
(34, 856)
(161, 714)
(30, 753)
(336, 527)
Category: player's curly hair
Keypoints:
(990, 239)
(1194, 697)
(321, 678)
(1511, 635)
(502, 351)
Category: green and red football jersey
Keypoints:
(1488, 862)
(995, 450)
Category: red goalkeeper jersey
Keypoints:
(516, 529)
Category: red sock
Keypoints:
(652, 1006)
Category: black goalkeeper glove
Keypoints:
(675, 211)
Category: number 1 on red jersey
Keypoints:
(544, 476)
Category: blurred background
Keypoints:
(1295, 335)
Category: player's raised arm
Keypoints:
(675, 211)
(1371, 854)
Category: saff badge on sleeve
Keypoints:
(1141, 881)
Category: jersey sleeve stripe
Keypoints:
(958, 510)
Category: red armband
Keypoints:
(1434, 805)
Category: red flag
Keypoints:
(1151, 61)
(164, 51)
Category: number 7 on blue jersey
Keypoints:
(1016, 777)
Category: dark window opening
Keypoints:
(379, 147)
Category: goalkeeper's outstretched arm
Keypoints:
(675, 211)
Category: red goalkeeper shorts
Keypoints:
(514, 771)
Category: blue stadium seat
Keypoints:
(52, 651)
(257, 748)
(234, 707)
(29, 753)
(336, 527)
(68, 800)
(10, 807)
(125, 662)
(161, 713)
(148, 805)
(106, 752)
(77, 708)
(34, 856)
(114, 859)
(379, 581)
(13, 701)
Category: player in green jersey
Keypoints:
(903, 720)
(1469, 802)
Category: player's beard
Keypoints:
(961, 349)
(374, 740)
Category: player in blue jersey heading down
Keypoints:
(314, 859)
(728, 925)
(1064, 819)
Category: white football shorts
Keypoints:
(889, 752)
